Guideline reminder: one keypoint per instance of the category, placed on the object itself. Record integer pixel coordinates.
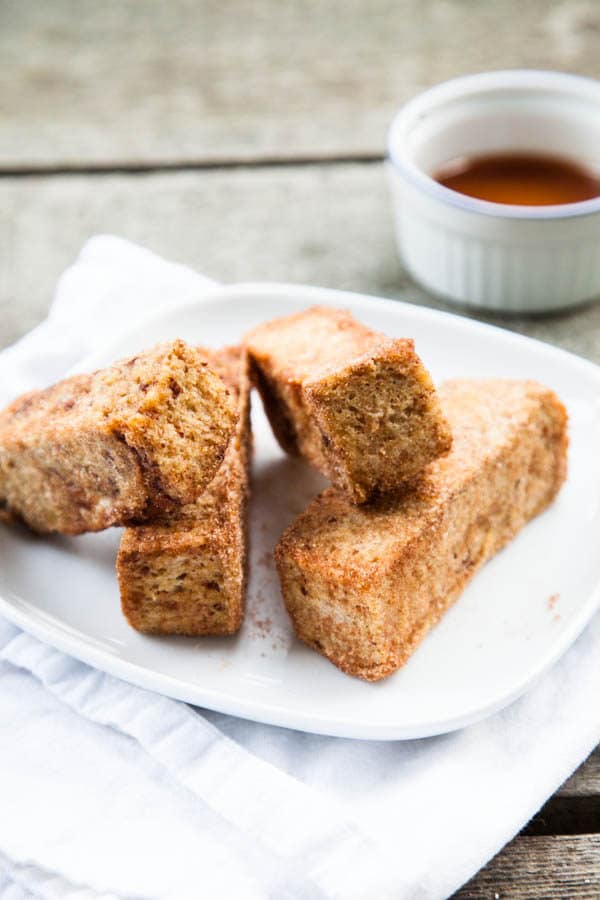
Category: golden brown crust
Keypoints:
(119, 445)
(363, 585)
(356, 404)
(186, 574)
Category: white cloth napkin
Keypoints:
(110, 791)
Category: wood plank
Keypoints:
(585, 782)
(575, 808)
(567, 815)
(328, 225)
(547, 868)
(85, 83)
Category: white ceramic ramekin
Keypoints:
(492, 255)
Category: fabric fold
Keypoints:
(273, 808)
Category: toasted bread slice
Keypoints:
(358, 405)
(187, 573)
(117, 446)
(364, 585)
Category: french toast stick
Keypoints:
(186, 574)
(364, 584)
(117, 446)
(358, 405)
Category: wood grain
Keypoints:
(328, 225)
(544, 868)
(567, 815)
(132, 83)
(585, 782)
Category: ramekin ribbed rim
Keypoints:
(562, 82)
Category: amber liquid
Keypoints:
(520, 178)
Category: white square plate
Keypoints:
(518, 615)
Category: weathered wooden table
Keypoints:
(246, 139)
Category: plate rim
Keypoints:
(301, 291)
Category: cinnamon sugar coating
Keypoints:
(363, 585)
(117, 446)
(356, 404)
(186, 574)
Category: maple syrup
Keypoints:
(524, 179)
